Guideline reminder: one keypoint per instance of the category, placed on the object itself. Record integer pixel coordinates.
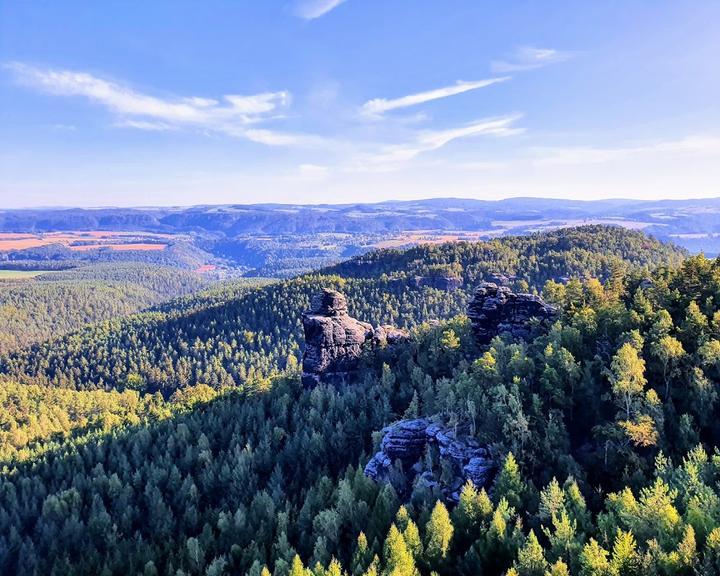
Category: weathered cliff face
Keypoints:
(496, 309)
(501, 279)
(386, 334)
(408, 440)
(333, 340)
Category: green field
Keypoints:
(20, 274)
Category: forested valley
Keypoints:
(180, 441)
(58, 302)
(230, 340)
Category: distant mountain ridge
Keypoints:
(392, 216)
(284, 240)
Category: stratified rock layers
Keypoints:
(333, 340)
(408, 441)
(497, 309)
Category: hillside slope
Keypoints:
(56, 303)
(603, 430)
(258, 333)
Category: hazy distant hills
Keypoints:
(662, 217)
(283, 240)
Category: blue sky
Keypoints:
(178, 102)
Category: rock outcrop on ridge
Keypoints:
(334, 340)
(387, 334)
(497, 309)
(446, 283)
(407, 441)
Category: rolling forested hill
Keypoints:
(234, 340)
(602, 428)
(572, 252)
(284, 240)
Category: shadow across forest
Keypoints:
(239, 480)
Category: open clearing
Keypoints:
(86, 240)
(20, 274)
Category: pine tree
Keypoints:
(559, 568)
(531, 558)
(398, 558)
(552, 501)
(509, 483)
(361, 557)
(297, 568)
(594, 560)
(438, 534)
(409, 531)
(467, 514)
(625, 559)
(687, 549)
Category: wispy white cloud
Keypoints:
(144, 125)
(311, 9)
(235, 115)
(689, 145)
(278, 138)
(378, 106)
(529, 58)
(391, 157)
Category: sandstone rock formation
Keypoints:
(446, 283)
(386, 334)
(333, 340)
(496, 309)
(647, 283)
(408, 440)
(501, 279)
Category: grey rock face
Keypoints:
(446, 283)
(497, 309)
(647, 283)
(501, 279)
(408, 440)
(333, 340)
(386, 334)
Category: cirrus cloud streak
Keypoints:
(234, 115)
(378, 106)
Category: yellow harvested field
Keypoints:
(86, 240)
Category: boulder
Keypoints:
(647, 283)
(386, 334)
(495, 310)
(407, 441)
(333, 340)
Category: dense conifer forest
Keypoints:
(180, 441)
(235, 339)
(58, 302)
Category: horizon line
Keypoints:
(342, 204)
